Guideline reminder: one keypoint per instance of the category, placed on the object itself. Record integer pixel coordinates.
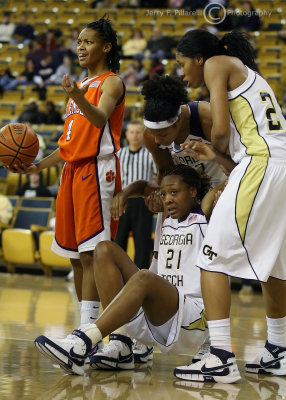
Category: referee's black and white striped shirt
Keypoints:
(136, 165)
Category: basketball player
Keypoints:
(153, 306)
(91, 174)
(246, 234)
(170, 119)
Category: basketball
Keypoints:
(19, 144)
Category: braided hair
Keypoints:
(107, 34)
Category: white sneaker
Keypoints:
(203, 350)
(117, 354)
(271, 361)
(69, 353)
(218, 366)
(142, 353)
(208, 390)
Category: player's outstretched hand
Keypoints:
(71, 88)
(118, 205)
(23, 168)
(154, 202)
(199, 150)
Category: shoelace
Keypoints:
(111, 346)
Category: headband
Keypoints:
(162, 124)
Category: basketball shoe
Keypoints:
(217, 366)
(142, 353)
(271, 361)
(203, 350)
(70, 353)
(116, 355)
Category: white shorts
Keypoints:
(246, 235)
(180, 335)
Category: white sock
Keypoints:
(92, 331)
(79, 306)
(89, 312)
(219, 331)
(276, 330)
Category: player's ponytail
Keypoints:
(199, 42)
(107, 34)
(192, 178)
(163, 97)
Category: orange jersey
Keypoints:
(81, 139)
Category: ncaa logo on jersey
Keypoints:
(207, 250)
(110, 176)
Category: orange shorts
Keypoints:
(82, 215)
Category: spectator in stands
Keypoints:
(160, 45)
(32, 114)
(27, 77)
(35, 53)
(249, 20)
(135, 73)
(59, 53)
(6, 80)
(67, 67)
(34, 187)
(24, 32)
(46, 67)
(49, 42)
(6, 210)
(52, 116)
(6, 28)
(136, 163)
(71, 43)
(135, 45)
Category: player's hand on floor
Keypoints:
(199, 150)
(154, 202)
(72, 89)
(23, 168)
(118, 205)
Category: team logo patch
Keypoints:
(110, 176)
(208, 251)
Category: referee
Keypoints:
(136, 163)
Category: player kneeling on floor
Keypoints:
(162, 306)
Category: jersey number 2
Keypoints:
(273, 124)
(69, 130)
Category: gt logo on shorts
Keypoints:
(207, 250)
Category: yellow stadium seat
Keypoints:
(48, 258)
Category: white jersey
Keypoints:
(258, 127)
(178, 250)
(210, 168)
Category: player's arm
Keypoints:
(216, 77)
(112, 92)
(204, 109)
(210, 199)
(161, 157)
(204, 152)
(138, 188)
(52, 159)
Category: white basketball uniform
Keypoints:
(178, 249)
(246, 236)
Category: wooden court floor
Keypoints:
(33, 305)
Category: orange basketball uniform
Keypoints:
(90, 177)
